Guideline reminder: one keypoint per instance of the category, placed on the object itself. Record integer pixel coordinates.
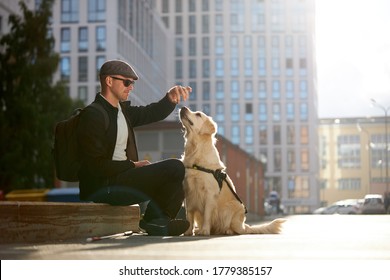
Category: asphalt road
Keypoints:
(304, 237)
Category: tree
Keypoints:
(30, 103)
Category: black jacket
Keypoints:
(97, 143)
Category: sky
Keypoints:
(353, 57)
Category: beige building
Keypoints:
(353, 158)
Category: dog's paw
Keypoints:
(189, 232)
(204, 232)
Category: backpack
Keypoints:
(65, 150)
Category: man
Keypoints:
(110, 169)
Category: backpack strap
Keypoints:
(100, 108)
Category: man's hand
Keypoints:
(141, 163)
(178, 93)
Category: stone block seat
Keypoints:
(41, 221)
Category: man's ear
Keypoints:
(108, 81)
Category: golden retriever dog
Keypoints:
(212, 205)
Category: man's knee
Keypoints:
(176, 168)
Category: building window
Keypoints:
(263, 135)
(248, 134)
(96, 10)
(65, 40)
(179, 69)
(290, 114)
(192, 46)
(349, 184)
(277, 137)
(258, 16)
(236, 16)
(65, 68)
(218, 5)
(276, 112)
(290, 134)
(248, 71)
(165, 6)
(193, 94)
(275, 66)
(192, 24)
(234, 67)
(304, 133)
(234, 47)
(219, 67)
(303, 89)
(218, 23)
(206, 90)
(302, 67)
(235, 134)
(289, 67)
(235, 112)
(82, 93)
(248, 90)
(83, 69)
(192, 68)
(261, 46)
(205, 46)
(178, 6)
(235, 89)
(290, 89)
(220, 116)
(249, 112)
(206, 68)
(291, 160)
(69, 11)
(83, 39)
(348, 151)
(304, 114)
(206, 109)
(262, 67)
(179, 47)
(178, 25)
(192, 6)
(378, 150)
(276, 90)
(100, 59)
(205, 5)
(304, 159)
(277, 159)
(262, 112)
(219, 45)
(220, 91)
(100, 38)
(262, 90)
(205, 24)
(298, 187)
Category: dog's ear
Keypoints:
(209, 127)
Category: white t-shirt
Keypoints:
(121, 137)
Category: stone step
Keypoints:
(27, 221)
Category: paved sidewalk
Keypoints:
(314, 237)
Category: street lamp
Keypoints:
(385, 110)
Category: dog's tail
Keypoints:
(271, 228)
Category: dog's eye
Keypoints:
(198, 115)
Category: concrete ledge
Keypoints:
(26, 222)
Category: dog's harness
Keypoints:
(219, 175)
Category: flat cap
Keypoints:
(118, 67)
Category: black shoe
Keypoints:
(164, 227)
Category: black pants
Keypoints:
(160, 183)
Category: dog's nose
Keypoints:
(183, 111)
